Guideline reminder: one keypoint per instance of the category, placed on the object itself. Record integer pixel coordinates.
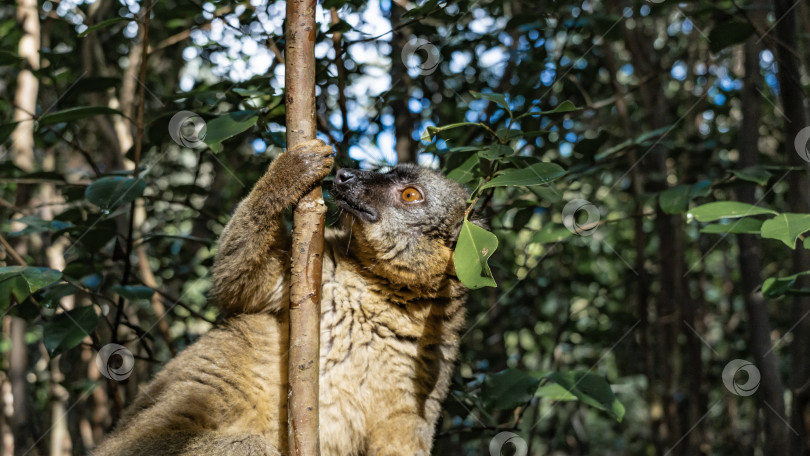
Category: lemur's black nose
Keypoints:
(344, 176)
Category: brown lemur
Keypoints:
(391, 313)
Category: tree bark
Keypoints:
(641, 283)
(669, 300)
(750, 266)
(25, 99)
(307, 242)
(403, 118)
(792, 96)
(22, 152)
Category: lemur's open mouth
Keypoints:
(365, 213)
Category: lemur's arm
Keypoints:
(250, 271)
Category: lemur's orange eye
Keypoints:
(411, 195)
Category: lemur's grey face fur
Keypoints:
(407, 201)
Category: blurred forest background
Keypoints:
(651, 300)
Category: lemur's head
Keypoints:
(404, 222)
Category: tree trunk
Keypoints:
(750, 266)
(795, 112)
(670, 297)
(25, 99)
(22, 151)
(400, 88)
(307, 243)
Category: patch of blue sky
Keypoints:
(548, 76)
(678, 71)
(259, 146)
(566, 149)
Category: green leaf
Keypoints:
(134, 292)
(498, 98)
(29, 279)
(729, 33)
(431, 132)
(786, 228)
(50, 298)
(6, 130)
(9, 58)
(555, 392)
(94, 84)
(23, 281)
(39, 278)
(565, 106)
(539, 173)
(508, 389)
(67, 115)
(496, 151)
(726, 209)
(774, 287)
(740, 226)
(67, 330)
(675, 200)
(521, 218)
(591, 389)
(551, 232)
(546, 194)
(12, 284)
(113, 191)
(420, 10)
(337, 4)
(466, 171)
(279, 138)
(228, 126)
(249, 93)
(103, 24)
(589, 146)
(702, 188)
(464, 149)
(340, 27)
(474, 247)
(754, 174)
(38, 225)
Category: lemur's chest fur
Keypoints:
(375, 353)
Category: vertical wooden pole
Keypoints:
(307, 242)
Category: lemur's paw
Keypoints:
(317, 157)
